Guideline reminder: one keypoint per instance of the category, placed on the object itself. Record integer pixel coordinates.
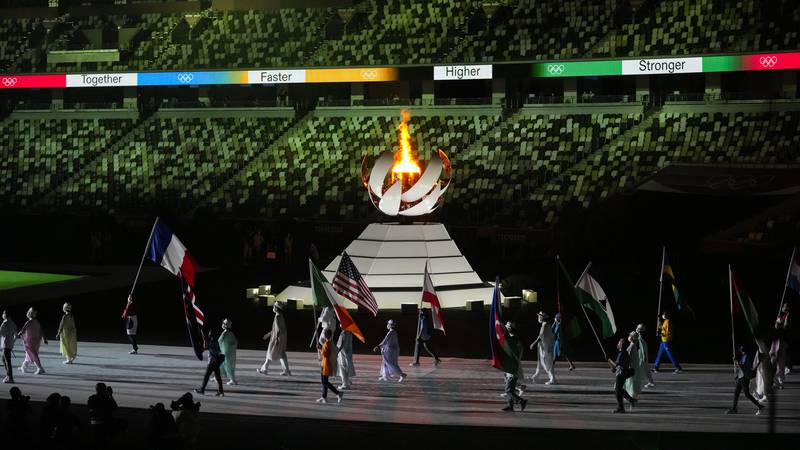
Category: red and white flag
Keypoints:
(429, 296)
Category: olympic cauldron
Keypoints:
(396, 183)
(392, 257)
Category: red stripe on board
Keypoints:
(33, 81)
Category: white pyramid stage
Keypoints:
(391, 257)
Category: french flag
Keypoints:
(166, 250)
(794, 274)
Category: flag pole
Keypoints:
(730, 295)
(419, 310)
(786, 282)
(144, 254)
(313, 306)
(600, 343)
(314, 318)
(660, 288)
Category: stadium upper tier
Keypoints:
(399, 32)
(522, 169)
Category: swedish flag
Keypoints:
(669, 278)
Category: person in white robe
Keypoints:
(544, 346)
(227, 345)
(390, 352)
(346, 368)
(640, 329)
(277, 337)
(634, 384)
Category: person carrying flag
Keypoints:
(743, 365)
(424, 335)
(514, 346)
(665, 333)
(328, 361)
(559, 343)
(131, 318)
(622, 371)
(215, 360)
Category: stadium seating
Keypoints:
(519, 156)
(171, 162)
(703, 138)
(315, 170)
(520, 170)
(379, 32)
(39, 155)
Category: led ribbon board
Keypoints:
(197, 78)
(655, 66)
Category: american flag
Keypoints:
(350, 285)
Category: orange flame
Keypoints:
(404, 161)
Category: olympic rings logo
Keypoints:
(369, 74)
(185, 77)
(768, 61)
(9, 82)
(555, 69)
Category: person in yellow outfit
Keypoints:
(665, 333)
(68, 335)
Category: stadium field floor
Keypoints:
(460, 394)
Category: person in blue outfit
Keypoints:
(560, 345)
(215, 360)
(424, 335)
(665, 333)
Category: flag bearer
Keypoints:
(743, 366)
(665, 333)
(328, 363)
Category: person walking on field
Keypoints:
(131, 318)
(622, 371)
(215, 360)
(327, 367)
(665, 333)
(424, 335)
(511, 394)
(744, 370)
(544, 345)
(68, 335)
(344, 359)
(32, 337)
(634, 384)
(560, 344)
(640, 329)
(277, 337)
(390, 351)
(8, 335)
(227, 345)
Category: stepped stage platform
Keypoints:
(460, 399)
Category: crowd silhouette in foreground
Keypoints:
(60, 428)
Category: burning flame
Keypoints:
(405, 165)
